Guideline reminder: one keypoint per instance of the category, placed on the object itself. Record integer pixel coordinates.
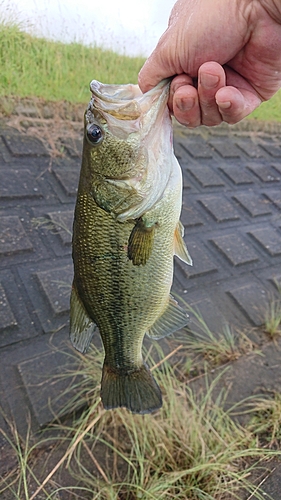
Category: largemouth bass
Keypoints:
(125, 234)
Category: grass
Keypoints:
(217, 348)
(36, 67)
(269, 110)
(191, 449)
(17, 481)
(32, 66)
(266, 421)
(273, 318)
(272, 324)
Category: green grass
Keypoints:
(270, 110)
(32, 66)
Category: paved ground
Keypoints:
(232, 218)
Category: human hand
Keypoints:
(226, 55)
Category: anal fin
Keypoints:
(82, 328)
(172, 319)
(180, 249)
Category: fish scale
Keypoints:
(110, 280)
(123, 262)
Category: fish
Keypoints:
(126, 232)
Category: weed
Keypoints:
(266, 420)
(217, 348)
(17, 482)
(273, 319)
(191, 448)
(273, 315)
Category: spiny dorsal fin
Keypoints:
(141, 243)
(180, 249)
(82, 328)
(172, 319)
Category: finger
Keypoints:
(211, 77)
(234, 104)
(186, 107)
(183, 101)
(177, 82)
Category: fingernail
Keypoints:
(185, 104)
(209, 81)
(224, 105)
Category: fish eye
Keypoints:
(94, 133)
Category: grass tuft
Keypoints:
(18, 480)
(216, 347)
(266, 421)
(272, 322)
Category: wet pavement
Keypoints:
(232, 218)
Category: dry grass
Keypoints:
(191, 448)
(272, 322)
(218, 347)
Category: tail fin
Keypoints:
(135, 390)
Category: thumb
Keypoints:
(151, 73)
(156, 67)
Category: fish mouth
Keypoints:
(126, 102)
(112, 92)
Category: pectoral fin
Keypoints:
(172, 319)
(82, 328)
(180, 249)
(141, 243)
